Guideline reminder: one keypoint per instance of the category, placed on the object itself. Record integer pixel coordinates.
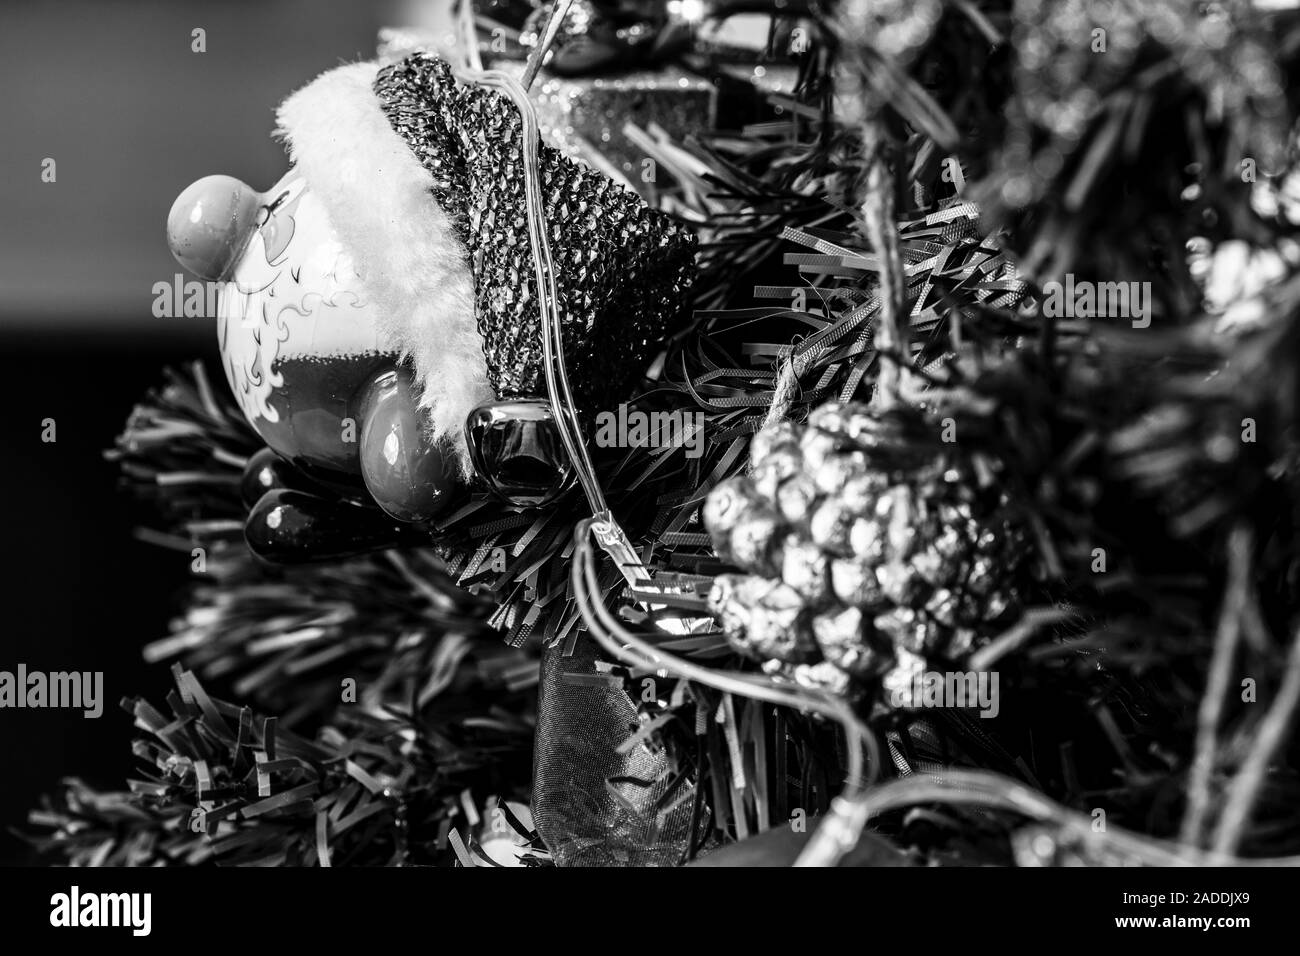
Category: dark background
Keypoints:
(111, 90)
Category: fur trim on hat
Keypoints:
(414, 266)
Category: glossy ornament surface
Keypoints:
(516, 449)
(267, 471)
(408, 475)
(210, 223)
(293, 527)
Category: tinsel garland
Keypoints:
(226, 785)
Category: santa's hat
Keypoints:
(422, 178)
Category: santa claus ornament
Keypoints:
(379, 318)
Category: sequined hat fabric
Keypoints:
(623, 269)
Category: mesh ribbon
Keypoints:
(593, 805)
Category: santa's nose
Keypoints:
(210, 223)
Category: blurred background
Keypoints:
(113, 92)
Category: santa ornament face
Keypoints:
(298, 336)
(301, 345)
(381, 294)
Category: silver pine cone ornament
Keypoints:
(874, 546)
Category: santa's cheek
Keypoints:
(407, 475)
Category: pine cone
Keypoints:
(873, 541)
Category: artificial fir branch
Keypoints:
(225, 785)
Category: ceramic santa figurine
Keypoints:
(378, 318)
